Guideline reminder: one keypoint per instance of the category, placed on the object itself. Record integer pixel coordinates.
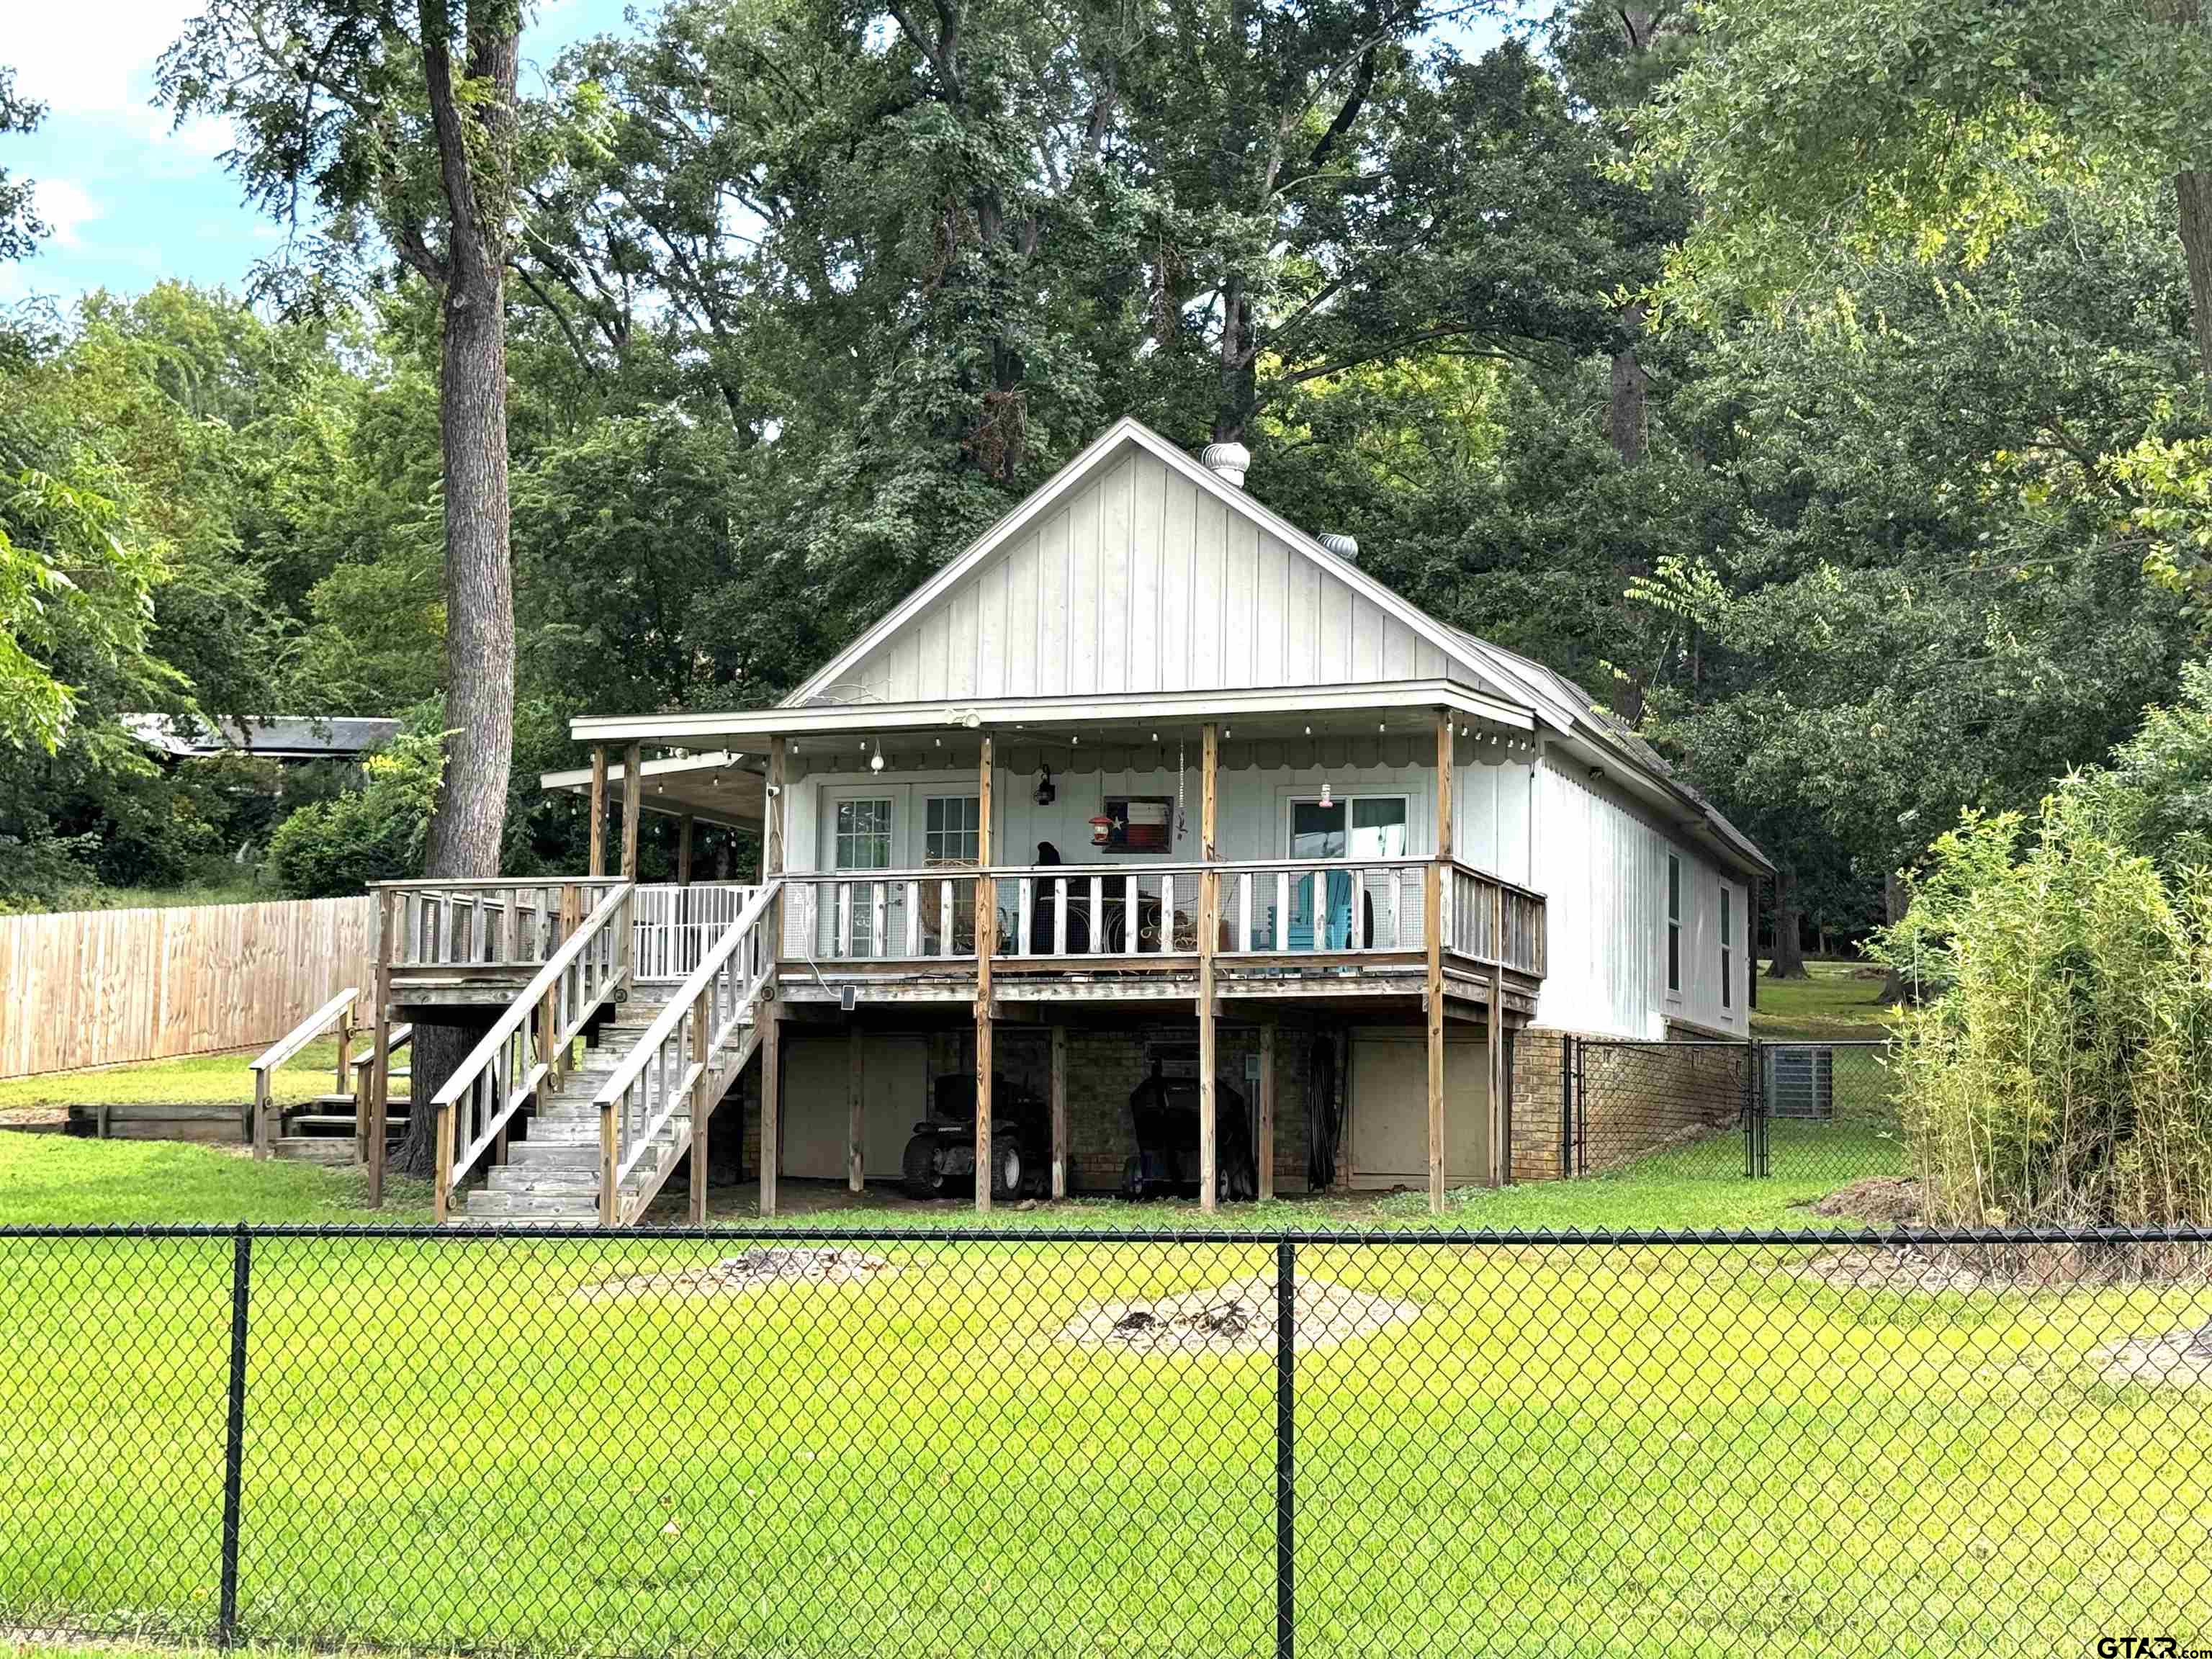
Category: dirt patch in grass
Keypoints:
(1933, 1269)
(734, 1275)
(1884, 1201)
(2178, 1359)
(1238, 1317)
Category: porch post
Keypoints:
(633, 808)
(1209, 1149)
(772, 814)
(683, 851)
(770, 1014)
(1446, 778)
(1432, 931)
(855, 1109)
(1267, 1111)
(1059, 1086)
(986, 940)
(598, 809)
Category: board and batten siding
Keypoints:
(1141, 581)
(1491, 817)
(1602, 868)
(99, 987)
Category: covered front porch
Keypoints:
(1237, 855)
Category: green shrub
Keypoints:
(2062, 1070)
(374, 833)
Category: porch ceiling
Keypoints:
(724, 788)
(1273, 712)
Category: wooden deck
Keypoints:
(717, 966)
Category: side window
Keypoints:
(1673, 924)
(1728, 945)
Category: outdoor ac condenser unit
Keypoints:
(1799, 1079)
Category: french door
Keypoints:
(1349, 828)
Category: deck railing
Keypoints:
(1291, 907)
(675, 925)
(1488, 919)
(521, 1051)
(690, 1047)
(508, 923)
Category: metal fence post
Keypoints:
(234, 1444)
(1286, 1332)
(1567, 1063)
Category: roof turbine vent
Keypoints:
(1230, 461)
(1345, 547)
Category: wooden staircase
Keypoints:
(626, 1109)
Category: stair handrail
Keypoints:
(263, 1065)
(507, 1067)
(679, 1050)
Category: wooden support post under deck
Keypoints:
(1209, 1147)
(1501, 1155)
(1432, 933)
(1059, 1086)
(380, 1067)
(1267, 1152)
(702, 1112)
(598, 809)
(770, 1013)
(1433, 999)
(633, 809)
(986, 942)
(683, 851)
(855, 1108)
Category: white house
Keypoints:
(1266, 848)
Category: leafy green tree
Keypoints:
(20, 228)
(334, 847)
(1922, 126)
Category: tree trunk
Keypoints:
(2195, 187)
(1625, 410)
(1895, 987)
(1788, 924)
(470, 817)
(1236, 374)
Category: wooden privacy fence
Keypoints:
(98, 987)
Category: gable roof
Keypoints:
(1399, 630)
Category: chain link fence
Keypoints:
(1818, 1114)
(1058, 1442)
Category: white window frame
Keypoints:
(929, 796)
(1296, 799)
(1671, 898)
(1728, 947)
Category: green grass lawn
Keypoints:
(1565, 1450)
(57, 1179)
(1839, 1000)
(195, 1079)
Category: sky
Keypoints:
(130, 198)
